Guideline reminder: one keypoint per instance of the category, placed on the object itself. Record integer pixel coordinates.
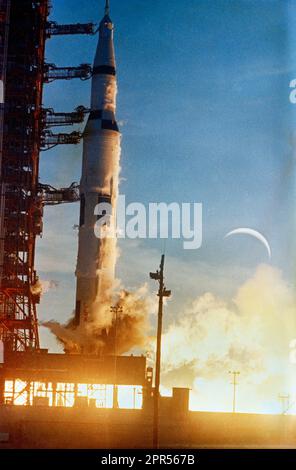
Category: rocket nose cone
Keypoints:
(105, 55)
(106, 20)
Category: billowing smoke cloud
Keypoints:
(42, 287)
(250, 334)
(106, 333)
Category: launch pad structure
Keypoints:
(72, 380)
(75, 400)
(23, 33)
(30, 376)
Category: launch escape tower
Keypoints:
(24, 131)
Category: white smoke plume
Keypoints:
(250, 334)
(102, 334)
(42, 287)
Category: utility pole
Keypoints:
(162, 292)
(285, 400)
(116, 310)
(235, 374)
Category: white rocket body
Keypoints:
(99, 182)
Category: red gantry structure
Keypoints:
(22, 51)
(24, 131)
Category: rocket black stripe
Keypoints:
(104, 199)
(82, 210)
(109, 125)
(96, 114)
(104, 70)
(77, 313)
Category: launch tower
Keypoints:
(24, 131)
(23, 34)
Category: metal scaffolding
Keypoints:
(53, 119)
(22, 57)
(25, 129)
(50, 140)
(55, 29)
(51, 196)
(52, 72)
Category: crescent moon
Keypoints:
(252, 233)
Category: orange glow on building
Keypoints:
(21, 393)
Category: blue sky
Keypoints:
(205, 117)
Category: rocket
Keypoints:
(95, 269)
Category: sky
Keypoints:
(205, 116)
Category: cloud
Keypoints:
(250, 334)
(43, 287)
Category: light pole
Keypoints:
(235, 374)
(285, 399)
(116, 310)
(162, 292)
